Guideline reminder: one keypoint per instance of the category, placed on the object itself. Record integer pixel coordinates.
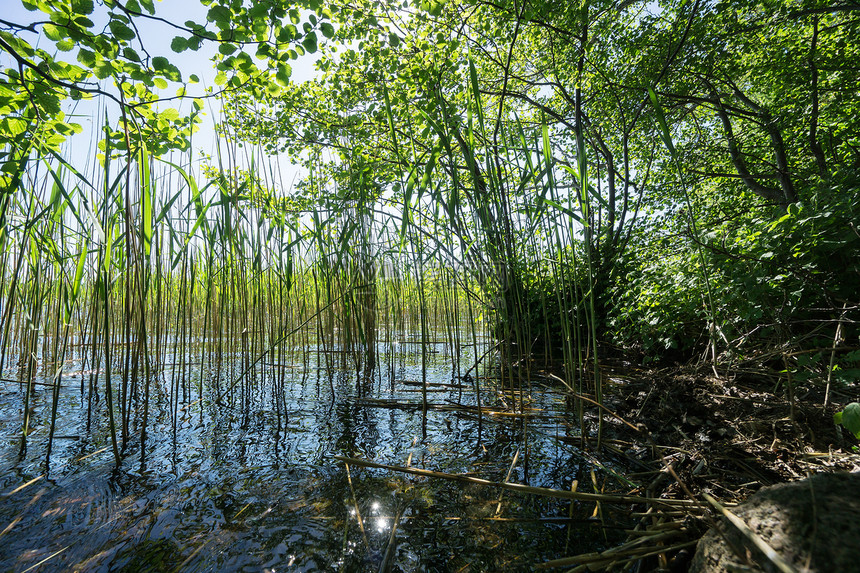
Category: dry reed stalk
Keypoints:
(546, 492)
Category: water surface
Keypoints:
(250, 484)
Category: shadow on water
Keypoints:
(254, 487)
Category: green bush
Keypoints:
(774, 279)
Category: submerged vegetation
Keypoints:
(500, 201)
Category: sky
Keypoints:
(156, 38)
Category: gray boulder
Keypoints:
(813, 524)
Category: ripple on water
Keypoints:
(246, 491)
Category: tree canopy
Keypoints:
(649, 130)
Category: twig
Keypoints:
(836, 340)
(546, 492)
(752, 536)
(357, 511)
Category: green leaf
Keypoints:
(219, 15)
(226, 49)
(850, 418)
(79, 273)
(661, 120)
(83, 22)
(82, 6)
(287, 33)
(434, 8)
(160, 63)
(170, 114)
(258, 11)
(283, 74)
(53, 32)
(121, 31)
(327, 30)
(87, 57)
(179, 44)
(130, 54)
(310, 42)
(563, 209)
(146, 199)
(48, 102)
(103, 70)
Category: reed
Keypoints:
(201, 283)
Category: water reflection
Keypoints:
(255, 489)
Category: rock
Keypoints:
(814, 524)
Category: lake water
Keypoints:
(242, 487)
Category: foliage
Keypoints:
(659, 305)
(850, 418)
(100, 41)
(772, 277)
(746, 146)
(518, 141)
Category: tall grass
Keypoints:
(203, 284)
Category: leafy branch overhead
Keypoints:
(759, 100)
(101, 51)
